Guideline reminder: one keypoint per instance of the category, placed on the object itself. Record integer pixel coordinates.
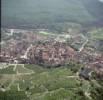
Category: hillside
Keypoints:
(45, 13)
(33, 82)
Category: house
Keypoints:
(85, 73)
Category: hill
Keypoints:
(46, 13)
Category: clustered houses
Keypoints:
(13, 47)
(97, 65)
(85, 57)
(51, 53)
(46, 53)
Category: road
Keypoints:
(26, 52)
(82, 47)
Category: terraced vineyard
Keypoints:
(42, 84)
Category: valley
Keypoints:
(42, 65)
(51, 50)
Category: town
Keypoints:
(48, 49)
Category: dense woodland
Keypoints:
(52, 14)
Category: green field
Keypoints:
(97, 34)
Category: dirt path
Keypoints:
(25, 73)
(13, 79)
(18, 87)
(72, 76)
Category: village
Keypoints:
(32, 47)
